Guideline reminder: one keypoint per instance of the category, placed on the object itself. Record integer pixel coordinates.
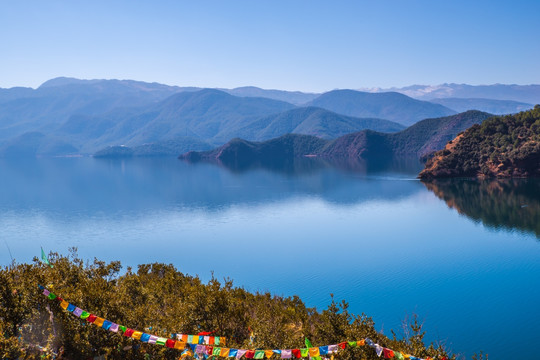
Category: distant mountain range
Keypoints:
(416, 141)
(391, 105)
(496, 107)
(66, 116)
(293, 97)
(522, 93)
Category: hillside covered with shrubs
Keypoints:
(159, 299)
(503, 146)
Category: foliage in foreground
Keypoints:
(159, 299)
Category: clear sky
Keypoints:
(291, 44)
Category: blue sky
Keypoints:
(293, 45)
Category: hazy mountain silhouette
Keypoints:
(523, 93)
(67, 116)
(312, 121)
(391, 106)
(293, 97)
(496, 107)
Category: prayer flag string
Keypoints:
(205, 345)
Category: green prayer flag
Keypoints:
(304, 352)
(308, 343)
(216, 351)
(398, 355)
(259, 354)
(45, 259)
(122, 327)
(161, 341)
(85, 315)
(52, 296)
(352, 343)
(216, 340)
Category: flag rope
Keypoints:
(206, 345)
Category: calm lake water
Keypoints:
(464, 255)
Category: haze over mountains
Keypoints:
(522, 93)
(67, 116)
(390, 105)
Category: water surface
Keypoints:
(464, 255)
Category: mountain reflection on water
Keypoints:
(497, 203)
(298, 166)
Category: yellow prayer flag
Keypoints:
(64, 304)
(99, 321)
(179, 345)
(137, 335)
(195, 339)
(224, 352)
(268, 353)
(314, 352)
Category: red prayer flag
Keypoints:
(209, 350)
(169, 343)
(211, 342)
(184, 338)
(342, 345)
(206, 332)
(250, 354)
(91, 318)
(297, 353)
(128, 332)
(388, 353)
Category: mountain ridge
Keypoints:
(392, 106)
(89, 115)
(417, 140)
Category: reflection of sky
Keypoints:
(382, 242)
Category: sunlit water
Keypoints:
(381, 240)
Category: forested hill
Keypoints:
(417, 141)
(503, 146)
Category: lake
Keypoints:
(462, 254)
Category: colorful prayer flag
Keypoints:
(314, 352)
(286, 354)
(45, 259)
(170, 343)
(99, 322)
